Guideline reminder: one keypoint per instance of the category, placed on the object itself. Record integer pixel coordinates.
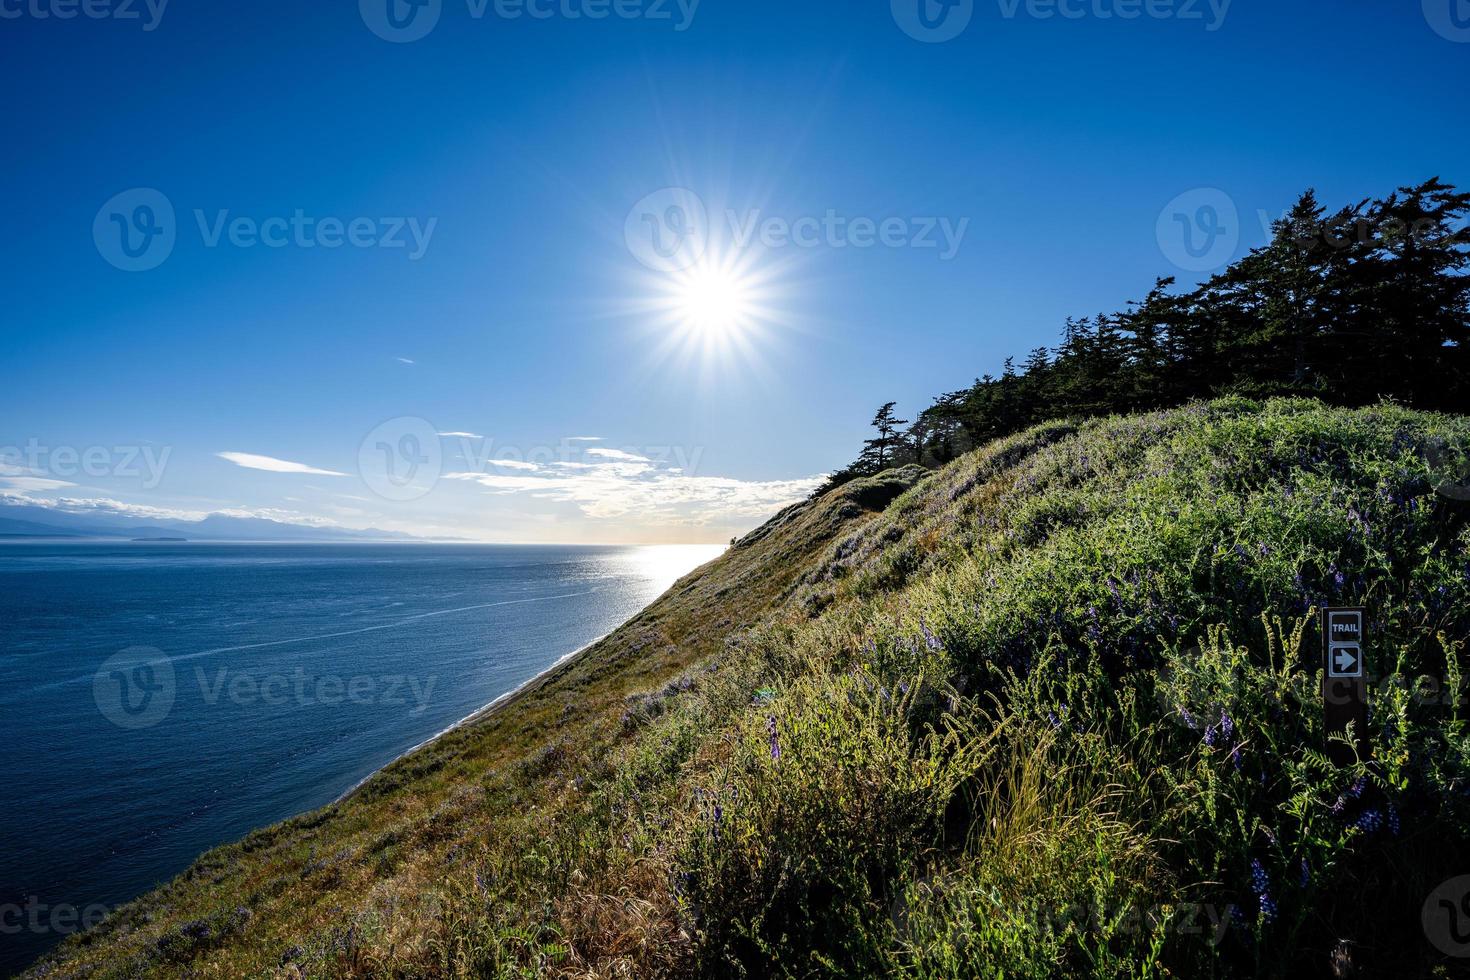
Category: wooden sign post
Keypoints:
(1344, 682)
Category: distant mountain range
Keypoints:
(29, 521)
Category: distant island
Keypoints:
(30, 520)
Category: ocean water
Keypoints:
(158, 699)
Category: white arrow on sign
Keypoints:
(1346, 661)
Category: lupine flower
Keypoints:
(1393, 819)
(775, 742)
(1261, 883)
(1221, 734)
(930, 640)
(1370, 821)
(1304, 875)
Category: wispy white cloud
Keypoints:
(461, 435)
(32, 484)
(515, 464)
(633, 488)
(8, 469)
(272, 465)
(405, 360)
(616, 454)
(584, 438)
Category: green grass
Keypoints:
(1049, 711)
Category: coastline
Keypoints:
(481, 713)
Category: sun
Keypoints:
(722, 314)
(708, 300)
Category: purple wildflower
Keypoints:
(1393, 819)
(1370, 821)
(1304, 873)
(1261, 884)
(775, 742)
(930, 640)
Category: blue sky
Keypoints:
(495, 286)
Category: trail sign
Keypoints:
(1344, 682)
(1345, 661)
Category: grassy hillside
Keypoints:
(1049, 711)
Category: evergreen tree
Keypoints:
(1370, 301)
(882, 451)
